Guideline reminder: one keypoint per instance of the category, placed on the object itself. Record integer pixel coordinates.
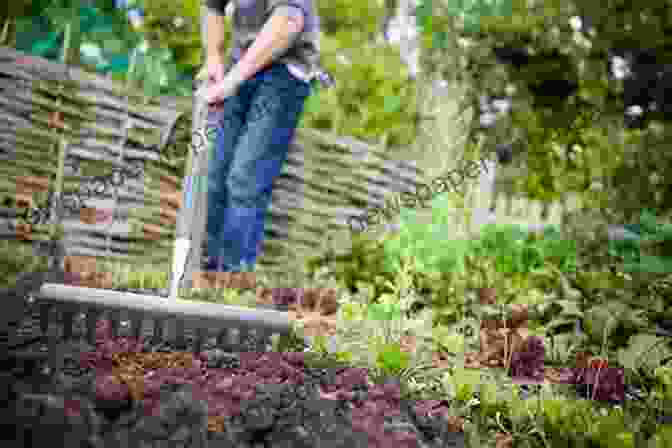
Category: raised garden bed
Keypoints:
(474, 373)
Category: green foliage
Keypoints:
(437, 266)
(104, 37)
(288, 343)
(383, 311)
(223, 296)
(369, 335)
(352, 22)
(22, 8)
(664, 382)
(662, 438)
(511, 248)
(447, 340)
(430, 249)
(645, 352)
(461, 383)
(632, 252)
(391, 359)
(577, 421)
(516, 251)
(106, 41)
(571, 143)
(17, 257)
(176, 26)
(153, 69)
(372, 99)
(172, 50)
(614, 322)
(364, 263)
(472, 12)
(507, 256)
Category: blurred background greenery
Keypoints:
(551, 60)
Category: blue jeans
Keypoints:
(254, 131)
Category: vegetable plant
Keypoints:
(663, 390)
(632, 252)
(515, 251)
(391, 360)
(461, 383)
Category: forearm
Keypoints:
(275, 38)
(215, 35)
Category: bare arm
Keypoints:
(277, 36)
(215, 35)
(274, 39)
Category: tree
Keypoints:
(568, 118)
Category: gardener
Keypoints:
(255, 100)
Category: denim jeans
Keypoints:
(254, 129)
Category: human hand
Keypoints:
(212, 71)
(218, 92)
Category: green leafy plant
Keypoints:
(352, 311)
(614, 322)
(438, 266)
(372, 100)
(369, 335)
(428, 246)
(609, 430)
(386, 314)
(491, 398)
(404, 293)
(516, 251)
(320, 345)
(523, 420)
(290, 342)
(563, 348)
(135, 280)
(391, 359)
(461, 383)
(632, 252)
(643, 354)
(663, 437)
(447, 340)
(362, 264)
(663, 388)
(353, 330)
(576, 420)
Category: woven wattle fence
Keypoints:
(103, 131)
(64, 129)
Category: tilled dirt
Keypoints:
(155, 395)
